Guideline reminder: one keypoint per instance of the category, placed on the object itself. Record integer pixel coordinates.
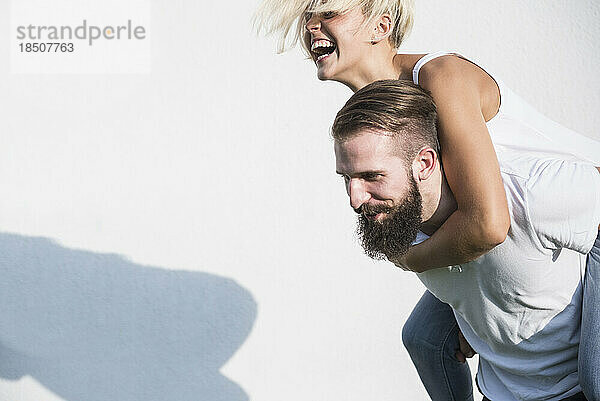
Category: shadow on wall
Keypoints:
(97, 327)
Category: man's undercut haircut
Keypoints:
(396, 108)
(287, 19)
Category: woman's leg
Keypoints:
(589, 345)
(431, 337)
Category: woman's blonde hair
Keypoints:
(286, 18)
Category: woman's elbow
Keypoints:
(494, 229)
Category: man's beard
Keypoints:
(393, 235)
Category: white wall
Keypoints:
(181, 235)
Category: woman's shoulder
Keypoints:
(413, 66)
(447, 75)
(448, 69)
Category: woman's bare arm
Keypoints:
(481, 220)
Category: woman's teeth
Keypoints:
(321, 43)
(322, 48)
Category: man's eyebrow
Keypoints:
(362, 173)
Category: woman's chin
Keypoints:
(325, 68)
(324, 75)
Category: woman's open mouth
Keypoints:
(322, 48)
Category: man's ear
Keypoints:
(383, 28)
(424, 164)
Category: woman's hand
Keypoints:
(400, 261)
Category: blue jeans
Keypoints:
(589, 345)
(430, 336)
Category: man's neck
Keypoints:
(444, 205)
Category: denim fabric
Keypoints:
(431, 337)
(576, 397)
(589, 345)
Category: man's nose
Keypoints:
(358, 193)
(313, 24)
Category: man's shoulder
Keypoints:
(541, 172)
(555, 198)
(527, 165)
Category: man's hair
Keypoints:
(286, 19)
(396, 108)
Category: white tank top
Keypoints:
(518, 126)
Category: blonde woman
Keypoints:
(355, 42)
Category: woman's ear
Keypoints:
(425, 163)
(383, 28)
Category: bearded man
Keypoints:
(519, 305)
